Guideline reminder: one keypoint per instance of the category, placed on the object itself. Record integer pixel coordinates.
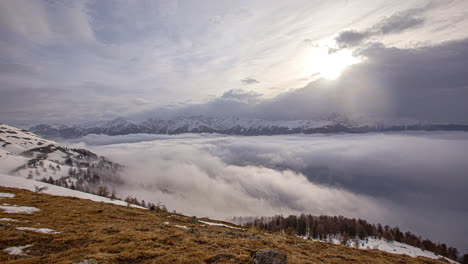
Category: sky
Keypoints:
(416, 181)
(300, 59)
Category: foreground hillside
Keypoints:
(42, 228)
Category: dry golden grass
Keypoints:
(117, 234)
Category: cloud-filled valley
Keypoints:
(395, 179)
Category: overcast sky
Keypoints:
(87, 60)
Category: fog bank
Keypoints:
(413, 180)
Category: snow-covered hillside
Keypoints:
(29, 156)
(393, 247)
(235, 126)
(30, 185)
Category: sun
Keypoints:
(329, 65)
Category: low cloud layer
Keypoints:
(394, 179)
(184, 176)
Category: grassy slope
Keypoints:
(117, 234)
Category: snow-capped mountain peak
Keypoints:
(238, 126)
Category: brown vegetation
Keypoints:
(117, 234)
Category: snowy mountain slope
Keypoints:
(392, 247)
(30, 185)
(236, 126)
(27, 155)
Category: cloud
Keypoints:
(18, 69)
(400, 22)
(351, 38)
(141, 101)
(241, 95)
(187, 173)
(104, 57)
(248, 81)
(397, 23)
(421, 84)
(395, 179)
(390, 84)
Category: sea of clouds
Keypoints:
(414, 180)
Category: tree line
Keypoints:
(103, 191)
(322, 227)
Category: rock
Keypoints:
(87, 261)
(265, 256)
(252, 237)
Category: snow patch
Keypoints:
(14, 209)
(7, 195)
(38, 230)
(183, 227)
(392, 247)
(396, 248)
(218, 224)
(19, 251)
(8, 220)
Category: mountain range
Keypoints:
(236, 126)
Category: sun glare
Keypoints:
(329, 65)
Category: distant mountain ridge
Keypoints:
(235, 126)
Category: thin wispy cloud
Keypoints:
(248, 81)
(397, 23)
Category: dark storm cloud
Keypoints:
(248, 81)
(394, 24)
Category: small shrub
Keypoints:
(193, 220)
(39, 189)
